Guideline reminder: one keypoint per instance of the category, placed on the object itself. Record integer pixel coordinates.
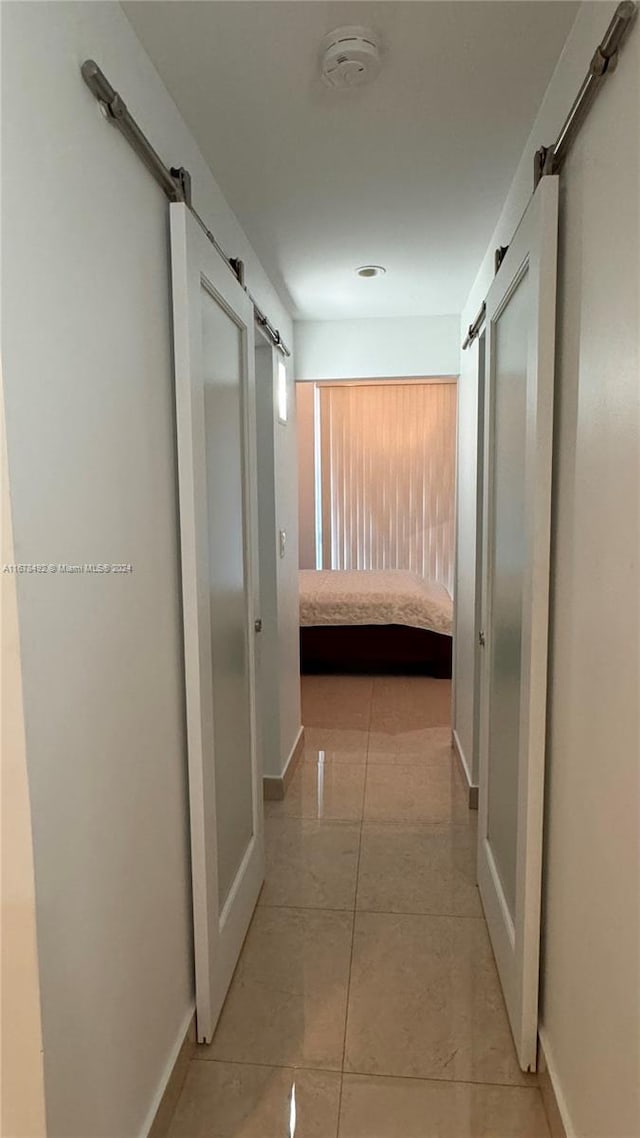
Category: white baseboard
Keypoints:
(294, 756)
(555, 1104)
(464, 767)
(165, 1100)
(275, 786)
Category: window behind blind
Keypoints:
(388, 477)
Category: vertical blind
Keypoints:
(388, 477)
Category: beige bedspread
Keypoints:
(388, 596)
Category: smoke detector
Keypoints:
(350, 58)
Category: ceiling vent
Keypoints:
(350, 58)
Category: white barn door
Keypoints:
(215, 412)
(520, 343)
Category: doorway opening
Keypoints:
(377, 504)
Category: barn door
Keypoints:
(215, 408)
(520, 335)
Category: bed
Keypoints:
(369, 621)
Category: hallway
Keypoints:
(366, 982)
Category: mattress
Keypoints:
(368, 596)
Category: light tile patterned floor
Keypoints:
(366, 1002)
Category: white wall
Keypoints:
(305, 402)
(90, 430)
(591, 1002)
(591, 996)
(278, 575)
(388, 348)
(465, 632)
(267, 642)
(286, 450)
(22, 1113)
(377, 348)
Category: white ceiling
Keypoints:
(409, 172)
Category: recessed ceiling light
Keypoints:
(371, 271)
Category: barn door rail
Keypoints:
(174, 180)
(550, 159)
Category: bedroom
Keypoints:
(376, 476)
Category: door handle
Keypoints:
(257, 624)
(481, 638)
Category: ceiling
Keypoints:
(409, 172)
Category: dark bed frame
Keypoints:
(390, 649)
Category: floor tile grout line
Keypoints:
(410, 824)
(269, 1066)
(364, 803)
(324, 822)
(529, 1086)
(533, 1085)
(309, 908)
(353, 924)
(367, 824)
(421, 762)
(349, 974)
(399, 823)
(376, 912)
(339, 1105)
(413, 823)
(276, 1066)
(412, 913)
(353, 929)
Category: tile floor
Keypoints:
(366, 982)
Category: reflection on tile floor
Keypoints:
(237, 1100)
(366, 1002)
(288, 998)
(322, 788)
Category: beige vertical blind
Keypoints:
(388, 477)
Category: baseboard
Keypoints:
(274, 787)
(560, 1125)
(464, 770)
(164, 1106)
(295, 755)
